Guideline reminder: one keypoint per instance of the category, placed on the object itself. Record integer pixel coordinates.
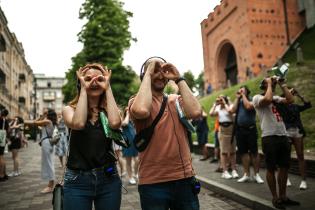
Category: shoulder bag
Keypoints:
(143, 137)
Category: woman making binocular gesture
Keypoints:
(91, 175)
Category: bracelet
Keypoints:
(179, 79)
(284, 85)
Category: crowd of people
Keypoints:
(159, 156)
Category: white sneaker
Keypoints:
(303, 185)
(234, 174)
(258, 179)
(18, 173)
(132, 181)
(245, 178)
(226, 175)
(288, 183)
(11, 174)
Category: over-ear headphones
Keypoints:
(145, 62)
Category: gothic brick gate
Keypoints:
(242, 37)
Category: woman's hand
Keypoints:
(80, 76)
(169, 71)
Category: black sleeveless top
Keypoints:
(89, 148)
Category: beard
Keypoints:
(159, 86)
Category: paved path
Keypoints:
(252, 190)
(23, 192)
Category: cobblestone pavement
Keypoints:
(23, 192)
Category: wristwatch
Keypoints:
(179, 79)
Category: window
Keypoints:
(48, 84)
(2, 44)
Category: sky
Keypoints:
(168, 28)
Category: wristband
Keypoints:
(179, 79)
(284, 85)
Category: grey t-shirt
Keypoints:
(271, 122)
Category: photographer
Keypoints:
(223, 110)
(296, 132)
(246, 134)
(275, 143)
(16, 137)
(166, 175)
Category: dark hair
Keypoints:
(246, 88)
(226, 99)
(144, 65)
(4, 113)
(52, 116)
(19, 120)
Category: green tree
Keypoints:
(105, 37)
(200, 84)
(190, 79)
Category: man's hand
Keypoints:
(169, 71)
(151, 68)
(269, 80)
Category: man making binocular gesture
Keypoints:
(166, 175)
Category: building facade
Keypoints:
(241, 38)
(48, 92)
(16, 76)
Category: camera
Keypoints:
(279, 72)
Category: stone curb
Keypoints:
(246, 199)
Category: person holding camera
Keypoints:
(47, 124)
(16, 136)
(246, 134)
(166, 175)
(275, 142)
(296, 132)
(91, 174)
(223, 110)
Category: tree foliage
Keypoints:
(190, 79)
(200, 84)
(105, 37)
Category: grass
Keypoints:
(307, 43)
(300, 77)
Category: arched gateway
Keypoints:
(243, 36)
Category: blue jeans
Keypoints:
(82, 188)
(174, 195)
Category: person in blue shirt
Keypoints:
(202, 131)
(246, 134)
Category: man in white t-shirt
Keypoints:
(275, 143)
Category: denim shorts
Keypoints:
(82, 188)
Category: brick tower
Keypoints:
(241, 37)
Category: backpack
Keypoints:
(3, 134)
(55, 136)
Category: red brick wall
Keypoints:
(256, 30)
